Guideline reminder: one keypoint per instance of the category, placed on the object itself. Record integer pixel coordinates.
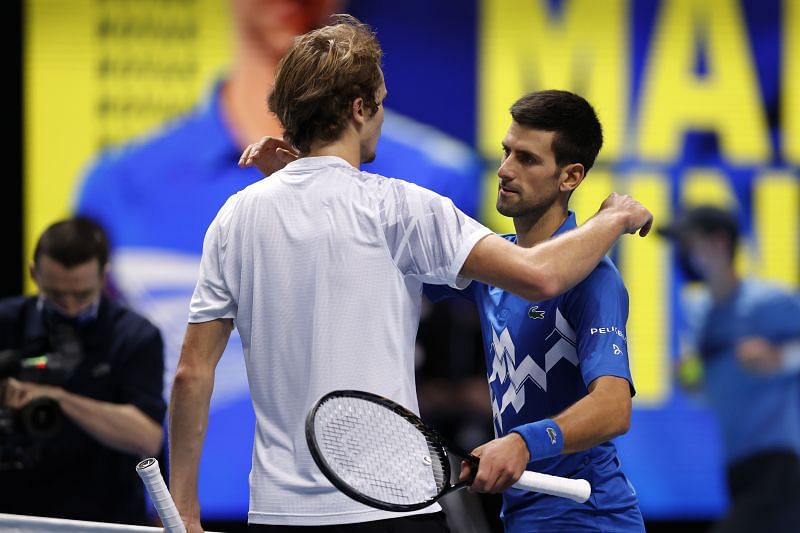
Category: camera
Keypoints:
(50, 361)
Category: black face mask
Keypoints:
(54, 315)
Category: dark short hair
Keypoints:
(706, 220)
(73, 242)
(578, 134)
(320, 76)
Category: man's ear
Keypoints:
(32, 272)
(358, 111)
(571, 176)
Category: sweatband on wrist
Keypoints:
(543, 438)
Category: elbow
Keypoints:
(540, 286)
(189, 373)
(151, 444)
(185, 375)
(622, 418)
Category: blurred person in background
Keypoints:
(746, 337)
(81, 396)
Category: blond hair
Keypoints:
(320, 76)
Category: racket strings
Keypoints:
(379, 453)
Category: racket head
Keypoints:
(377, 452)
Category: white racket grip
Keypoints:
(151, 476)
(564, 487)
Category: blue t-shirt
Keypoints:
(540, 359)
(757, 412)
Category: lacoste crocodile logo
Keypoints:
(535, 313)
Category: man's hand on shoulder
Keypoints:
(269, 155)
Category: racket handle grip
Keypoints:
(151, 476)
(574, 489)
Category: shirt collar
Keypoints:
(316, 162)
(567, 225)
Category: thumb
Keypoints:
(478, 451)
(285, 155)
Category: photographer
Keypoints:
(80, 387)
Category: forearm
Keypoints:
(599, 416)
(188, 410)
(549, 268)
(592, 420)
(188, 420)
(122, 427)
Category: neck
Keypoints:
(723, 284)
(540, 224)
(346, 147)
(244, 96)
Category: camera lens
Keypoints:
(41, 418)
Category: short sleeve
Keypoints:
(212, 299)
(776, 317)
(428, 237)
(597, 309)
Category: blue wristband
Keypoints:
(544, 438)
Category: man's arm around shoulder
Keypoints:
(553, 267)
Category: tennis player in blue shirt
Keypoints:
(558, 370)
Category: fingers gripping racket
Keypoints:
(381, 454)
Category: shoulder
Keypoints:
(150, 156)
(12, 308)
(177, 137)
(605, 277)
(395, 189)
(767, 298)
(602, 291)
(760, 291)
(128, 324)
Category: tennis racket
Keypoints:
(162, 500)
(381, 454)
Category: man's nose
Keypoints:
(505, 172)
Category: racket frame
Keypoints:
(434, 439)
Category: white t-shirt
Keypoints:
(321, 267)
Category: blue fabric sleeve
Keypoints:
(438, 293)
(597, 309)
(776, 317)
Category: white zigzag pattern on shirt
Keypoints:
(503, 367)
